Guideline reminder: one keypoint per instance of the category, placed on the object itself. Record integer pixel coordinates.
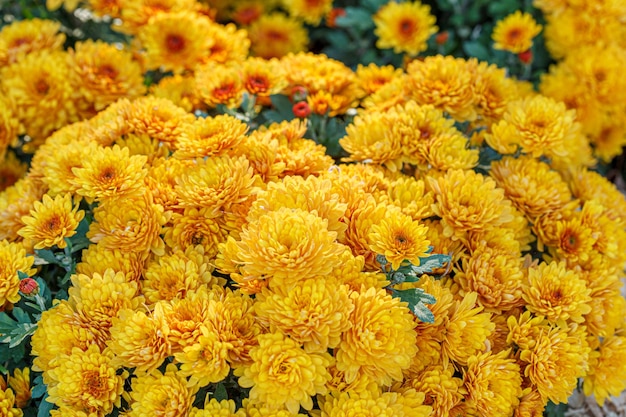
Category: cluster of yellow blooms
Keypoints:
(178, 202)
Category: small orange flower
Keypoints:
(515, 32)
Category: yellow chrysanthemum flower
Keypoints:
(607, 374)
(173, 276)
(555, 360)
(263, 78)
(275, 35)
(589, 185)
(211, 136)
(129, 224)
(314, 313)
(214, 408)
(371, 403)
(59, 330)
(443, 391)
(230, 44)
(139, 339)
(399, 238)
(372, 77)
(220, 84)
(136, 14)
(157, 118)
(15, 203)
(98, 298)
(531, 185)
(195, 227)
(475, 206)
(411, 196)
(466, 329)
(285, 246)
(21, 386)
(23, 37)
(556, 292)
(309, 11)
(206, 360)
(13, 260)
(495, 276)
(381, 341)
(283, 374)
(405, 27)
(493, 90)
(493, 383)
(86, 380)
(175, 41)
(97, 259)
(110, 173)
(7, 403)
(165, 394)
(40, 87)
(515, 32)
(444, 82)
(215, 183)
(540, 126)
(51, 221)
(180, 90)
(103, 74)
(255, 410)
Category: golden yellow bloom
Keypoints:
(275, 35)
(493, 384)
(314, 313)
(476, 205)
(442, 390)
(180, 90)
(495, 276)
(466, 330)
(103, 74)
(213, 408)
(173, 276)
(372, 403)
(206, 360)
(86, 380)
(100, 297)
(531, 185)
(607, 373)
(230, 44)
(195, 227)
(161, 180)
(399, 238)
(405, 27)
(285, 246)
(540, 126)
(283, 374)
(515, 32)
(263, 78)
(232, 318)
(40, 87)
(7, 403)
(531, 404)
(220, 84)
(372, 77)
(97, 259)
(103, 8)
(164, 394)
(555, 360)
(311, 11)
(13, 259)
(175, 41)
(211, 136)
(158, 118)
(23, 37)
(444, 82)
(139, 339)
(20, 384)
(411, 196)
(256, 410)
(381, 341)
(589, 185)
(15, 203)
(59, 330)
(556, 292)
(51, 221)
(494, 90)
(185, 317)
(136, 14)
(313, 194)
(129, 224)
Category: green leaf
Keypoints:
(430, 263)
(39, 389)
(373, 5)
(423, 313)
(356, 18)
(22, 275)
(283, 106)
(21, 316)
(45, 256)
(220, 392)
(7, 324)
(477, 50)
(44, 407)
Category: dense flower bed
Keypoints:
(206, 219)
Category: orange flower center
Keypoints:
(95, 384)
(277, 36)
(514, 34)
(107, 71)
(53, 223)
(225, 91)
(257, 84)
(107, 174)
(247, 15)
(407, 27)
(570, 242)
(42, 87)
(19, 42)
(175, 43)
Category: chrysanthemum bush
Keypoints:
(198, 217)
